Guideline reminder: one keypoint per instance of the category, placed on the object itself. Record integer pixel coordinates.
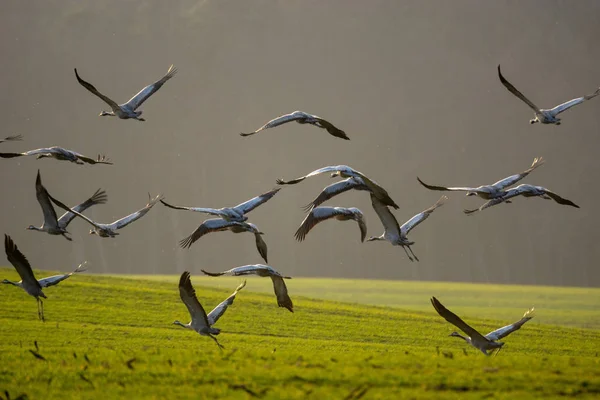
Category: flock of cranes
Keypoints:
(235, 219)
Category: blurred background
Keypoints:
(414, 85)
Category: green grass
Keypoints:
(568, 306)
(325, 349)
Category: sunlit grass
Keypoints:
(108, 337)
(568, 306)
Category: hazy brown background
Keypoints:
(413, 84)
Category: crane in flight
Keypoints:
(60, 154)
(321, 214)
(345, 171)
(128, 110)
(525, 191)
(28, 283)
(486, 344)
(201, 322)
(492, 191)
(58, 226)
(545, 116)
(281, 292)
(302, 117)
(393, 232)
(110, 230)
(237, 213)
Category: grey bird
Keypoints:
(51, 280)
(28, 282)
(302, 117)
(486, 344)
(237, 213)
(128, 110)
(396, 234)
(200, 322)
(336, 188)
(220, 309)
(545, 116)
(110, 230)
(219, 225)
(61, 154)
(281, 292)
(525, 191)
(58, 226)
(12, 138)
(320, 214)
(345, 171)
(492, 191)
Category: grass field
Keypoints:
(113, 337)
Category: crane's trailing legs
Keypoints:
(411, 252)
(408, 255)
(216, 341)
(40, 309)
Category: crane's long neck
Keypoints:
(6, 281)
(466, 339)
(182, 324)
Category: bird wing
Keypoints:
(11, 155)
(508, 329)
(586, 97)
(330, 168)
(443, 188)
(19, 261)
(77, 213)
(420, 217)
(378, 191)
(261, 246)
(43, 150)
(456, 321)
(211, 211)
(334, 131)
(560, 200)
(253, 269)
(12, 138)
(389, 222)
(362, 225)
(219, 310)
(251, 204)
(123, 222)
(208, 226)
(506, 196)
(315, 216)
(336, 188)
(55, 279)
(514, 91)
(149, 90)
(566, 105)
(188, 297)
(485, 205)
(97, 198)
(283, 119)
(44, 199)
(113, 105)
(511, 180)
(101, 159)
(281, 292)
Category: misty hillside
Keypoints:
(413, 84)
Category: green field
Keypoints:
(113, 337)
